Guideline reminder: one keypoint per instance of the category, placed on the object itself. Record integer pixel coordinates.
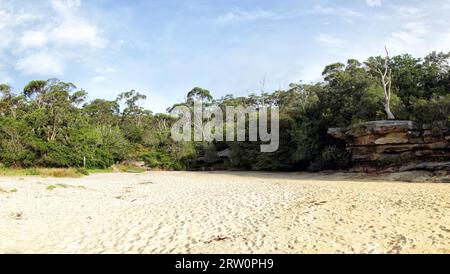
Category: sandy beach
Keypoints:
(215, 212)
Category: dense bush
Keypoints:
(160, 160)
(49, 124)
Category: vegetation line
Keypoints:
(50, 124)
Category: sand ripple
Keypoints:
(182, 212)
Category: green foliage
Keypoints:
(50, 125)
(60, 173)
(351, 94)
(129, 168)
(159, 160)
(17, 143)
(163, 160)
(83, 171)
(52, 187)
(14, 190)
(332, 157)
(46, 172)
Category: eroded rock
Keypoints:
(399, 143)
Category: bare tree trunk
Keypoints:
(387, 108)
(386, 80)
(263, 87)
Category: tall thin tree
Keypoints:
(386, 80)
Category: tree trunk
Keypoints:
(387, 108)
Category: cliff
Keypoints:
(396, 143)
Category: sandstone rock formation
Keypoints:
(396, 143)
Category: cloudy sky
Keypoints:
(163, 48)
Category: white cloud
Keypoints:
(42, 64)
(98, 78)
(416, 28)
(374, 3)
(411, 33)
(419, 29)
(5, 78)
(71, 29)
(329, 40)
(105, 70)
(65, 6)
(240, 15)
(77, 33)
(41, 39)
(336, 11)
(33, 39)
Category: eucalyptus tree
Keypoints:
(382, 67)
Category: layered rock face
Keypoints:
(393, 142)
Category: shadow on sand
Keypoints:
(306, 176)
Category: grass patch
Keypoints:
(14, 190)
(129, 169)
(17, 172)
(83, 171)
(60, 173)
(45, 172)
(66, 172)
(53, 187)
(31, 172)
(99, 171)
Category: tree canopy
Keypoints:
(49, 123)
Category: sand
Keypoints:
(184, 212)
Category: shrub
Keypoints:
(332, 157)
(83, 171)
(60, 172)
(162, 160)
(129, 169)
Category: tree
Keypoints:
(45, 125)
(36, 89)
(102, 112)
(198, 94)
(385, 74)
(133, 105)
(5, 100)
(17, 143)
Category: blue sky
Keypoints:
(163, 48)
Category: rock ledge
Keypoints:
(396, 142)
